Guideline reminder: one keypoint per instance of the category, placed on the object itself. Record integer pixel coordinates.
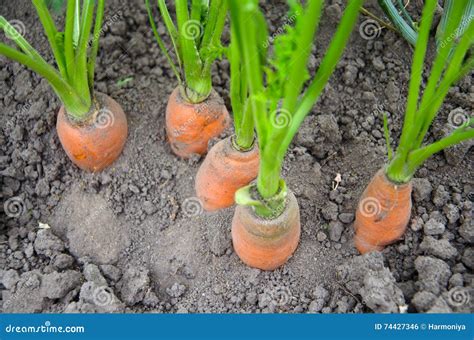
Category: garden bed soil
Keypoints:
(134, 238)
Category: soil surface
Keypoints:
(134, 238)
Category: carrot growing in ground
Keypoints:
(233, 162)
(92, 127)
(195, 112)
(266, 223)
(384, 208)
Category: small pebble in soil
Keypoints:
(92, 273)
(335, 230)
(433, 227)
(176, 290)
(63, 261)
(134, 284)
(321, 236)
(10, 278)
(451, 212)
(346, 217)
(421, 189)
(440, 196)
(46, 243)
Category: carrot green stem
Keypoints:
(241, 108)
(197, 88)
(449, 66)
(449, 8)
(405, 28)
(52, 35)
(81, 79)
(324, 72)
(95, 42)
(418, 156)
(409, 126)
(161, 44)
(66, 93)
(196, 43)
(405, 13)
(275, 84)
(68, 38)
(73, 80)
(20, 40)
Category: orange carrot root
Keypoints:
(95, 144)
(383, 213)
(189, 127)
(224, 170)
(266, 244)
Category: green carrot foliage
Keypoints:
(276, 83)
(196, 41)
(408, 29)
(74, 51)
(452, 62)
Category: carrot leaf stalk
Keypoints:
(196, 42)
(239, 94)
(276, 85)
(400, 19)
(409, 30)
(72, 81)
(451, 63)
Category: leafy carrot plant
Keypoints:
(266, 226)
(451, 63)
(401, 19)
(91, 127)
(74, 52)
(276, 84)
(196, 42)
(384, 209)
